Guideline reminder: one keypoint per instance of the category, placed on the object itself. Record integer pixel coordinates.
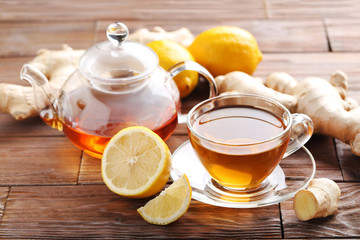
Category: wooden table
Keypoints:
(51, 189)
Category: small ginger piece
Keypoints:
(339, 81)
(319, 199)
(182, 36)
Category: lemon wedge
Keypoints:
(136, 163)
(170, 204)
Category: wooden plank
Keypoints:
(343, 34)
(290, 36)
(9, 127)
(4, 192)
(90, 170)
(187, 10)
(93, 211)
(343, 224)
(38, 160)
(348, 161)
(304, 9)
(175, 141)
(323, 150)
(272, 36)
(10, 70)
(25, 39)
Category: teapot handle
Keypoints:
(190, 65)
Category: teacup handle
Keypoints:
(190, 65)
(301, 130)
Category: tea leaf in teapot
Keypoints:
(120, 73)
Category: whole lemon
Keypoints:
(225, 49)
(171, 53)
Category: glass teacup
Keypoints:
(240, 139)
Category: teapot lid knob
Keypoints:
(117, 33)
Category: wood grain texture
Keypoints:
(90, 170)
(324, 152)
(92, 211)
(68, 10)
(25, 39)
(38, 160)
(344, 223)
(9, 127)
(349, 163)
(10, 69)
(343, 34)
(4, 192)
(304, 9)
(297, 165)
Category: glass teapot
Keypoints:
(118, 84)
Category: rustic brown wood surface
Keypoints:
(51, 189)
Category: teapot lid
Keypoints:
(117, 60)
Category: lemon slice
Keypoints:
(136, 163)
(170, 205)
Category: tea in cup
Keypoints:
(240, 139)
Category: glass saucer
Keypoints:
(279, 186)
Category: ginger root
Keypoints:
(182, 36)
(325, 102)
(20, 101)
(320, 199)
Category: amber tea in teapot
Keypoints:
(90, 117)
(90, 133)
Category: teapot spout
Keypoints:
(45, 102)
(41, 87)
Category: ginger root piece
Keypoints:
(241, 82)
(281, 82)
(333, 113)
(325, 102)
(19, 101)
(182, 36)
(320, 199)
(56, 65)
